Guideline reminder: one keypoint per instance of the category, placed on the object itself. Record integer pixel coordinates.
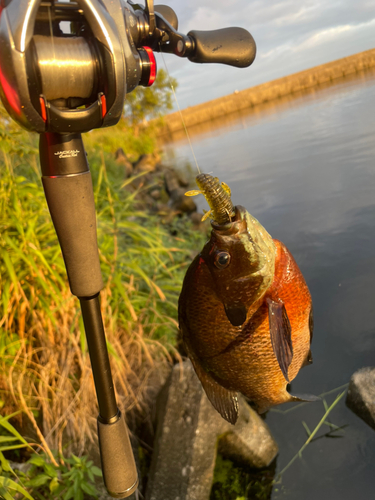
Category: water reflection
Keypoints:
(304, 166)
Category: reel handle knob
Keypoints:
(169, 15)
(231, 46)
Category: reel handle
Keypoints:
(231, 46)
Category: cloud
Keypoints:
(333, 34)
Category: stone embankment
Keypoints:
(270, 91)
(361, 395)
(188, 435)
(159, 189)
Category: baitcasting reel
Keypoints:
(67, 66)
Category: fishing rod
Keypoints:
(65, 69)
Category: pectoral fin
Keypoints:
(223, 400)
(281, 335)
(236, 313)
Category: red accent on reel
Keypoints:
(10, 94)
(104, 105)
(43, 109)
(151, 57)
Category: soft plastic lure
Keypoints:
(218, 197)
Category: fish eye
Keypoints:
(222, 260)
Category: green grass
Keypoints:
(312, 434)
(44, 365)
(10, 439)
(236, 482)
(67, 478)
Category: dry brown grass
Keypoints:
(44, 363)
(50, 376)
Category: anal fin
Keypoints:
(223, 400)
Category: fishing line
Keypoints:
(179, 110)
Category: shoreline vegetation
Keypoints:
(240, 101)
(48, 406)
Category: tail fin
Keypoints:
(308, 398)
(264, 405)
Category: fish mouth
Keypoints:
(234, 226)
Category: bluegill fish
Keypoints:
(245, 311)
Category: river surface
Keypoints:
(305, 167)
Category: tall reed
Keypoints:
(44, 363)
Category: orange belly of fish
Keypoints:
(248, 364)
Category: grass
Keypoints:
(235, 482)
(71, 478)
(44, 363)
(312, 434)
(10, 439)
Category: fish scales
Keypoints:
(252, 363)
(245, 315)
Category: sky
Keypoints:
(291, 35)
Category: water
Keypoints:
(305, 168)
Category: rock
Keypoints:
(361, 395)
(182, 459)
(173, 180)
(188, 429)
(177, 199)
(198, 224)
(122, 160)
(146, 162)
(182, 203)
(249, 441)
(21, 467)
(155, 194)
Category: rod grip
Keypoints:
(118, 466)
(70, 200)
(232, 46)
